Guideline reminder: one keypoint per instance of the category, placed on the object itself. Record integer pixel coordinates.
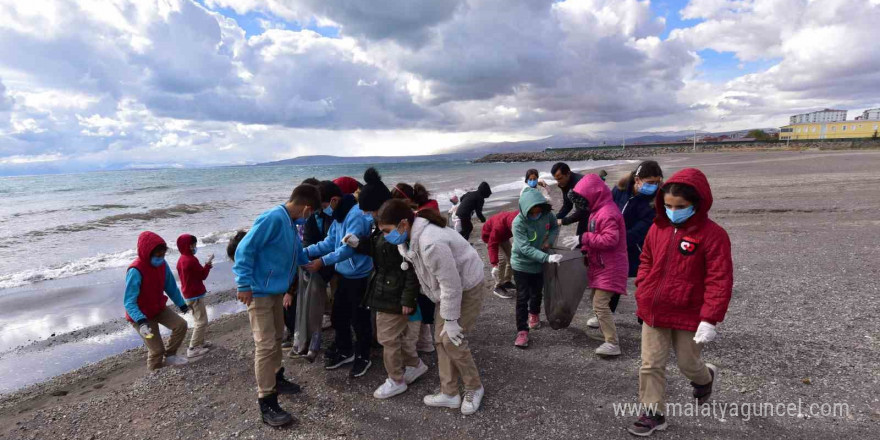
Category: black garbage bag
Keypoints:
(311, 297)
(564, 286)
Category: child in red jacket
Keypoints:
(684, 286)
(192, 276)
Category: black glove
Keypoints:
(184, 308)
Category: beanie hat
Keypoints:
(347, 184)
(374, 193)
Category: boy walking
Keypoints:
(192, 277)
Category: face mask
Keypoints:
(648, 189)
(195, 250)
(328, 211)
(535, 216)
(532, 183)
(680, 216)
(580, 203)
(157, 261)
(396, 238)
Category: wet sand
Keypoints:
(803, 326)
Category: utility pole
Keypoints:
(624, 142)
(695, 140)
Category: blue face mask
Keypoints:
(157, 261)
(680, 216)
(329, 211)
(648, 189)
(395, 237)
(532, 183)
(535, 216)
(195, 250)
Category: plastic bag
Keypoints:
(564, 286)
(311, 297)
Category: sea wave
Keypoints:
(113, 220)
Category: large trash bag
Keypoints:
(564, 286)
(311, 297)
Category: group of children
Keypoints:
(389, 251)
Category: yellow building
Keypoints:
(831, 130)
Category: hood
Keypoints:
(147, 242)
(184, 244)
(484, 190)
(624, 185)
(593, 188)
(530, 198)
(348, 201)
(696, 179)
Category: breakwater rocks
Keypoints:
(615, 153)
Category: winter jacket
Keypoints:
(315, 231)
(530, 236)
(390, 287)
(472, 203)
(267, 257)
(605, 239)
(347, 219)
(190, 272)
(686, 275)
(445, 263)
(498, 229)
(145, 285)
(638, 215)
(567, 206)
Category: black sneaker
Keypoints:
(284, 386)
(647, 424)
(703, 392)
(334, 360)
(509, 285)
(502, 293)
(272, 414)
(287, 342)
(360, 367)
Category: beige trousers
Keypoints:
(157, 350)
(656, 344)
(200, 324)
(456, 361)
(267, 324)
(398, 336)
(603, 313)
(504, 263)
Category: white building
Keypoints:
(827, 115)
(871, 114)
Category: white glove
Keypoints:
(145, 331)
(453, 331)
(705, 333)
(555, 259)
(573, 242)
(351, 240)
(496, 274)
(210, 259)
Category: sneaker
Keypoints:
(534, 321)
(175, 360)
(360, 367)
(607, 349)
(593, 322)
(272, 414)
(647, 424)
(287, 342)
(522, 339)
(502, 293)
(326, 322)
(412, 374)
(389, 389)
(509, 285)
(196, 352)
(472, 401)
(441, 400)
(310, 356)
(703, 392)
(284, 386)
(426, 339)
(296, 355)
(208, 345)
(334, 360)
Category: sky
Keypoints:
(108, 84)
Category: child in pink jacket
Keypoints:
(604, 243)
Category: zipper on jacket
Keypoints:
(268, 278)
(666, 274)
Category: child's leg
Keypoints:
(408, 344)
(656, 343)
(155, 347)
(178, 327)
(615, 300)
(537, 281)
(261, 314)
(523, 293)
(343, 310)
(389, 330)
(363, 318)
(601, 299)
(504, 263)
(200, 318)
(461, 357)
(688, 354)
(278, 320)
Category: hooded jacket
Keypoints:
(529, 236)
(445, 263)
(605, 239)
(391, 287)
(686, 275)
(472, 202)
(190, 272)
(347, 219)
(498, 229)
(267, 257)
(145, 285)
(638, 216)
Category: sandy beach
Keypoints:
(803, 328)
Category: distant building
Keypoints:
(871, 114)
(827, 115)
(834, 130)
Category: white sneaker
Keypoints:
(195, 352)
(441, 400)
(207, 344)
(607, 349)
(593, 322)
(472, 401)
(411, 374)
(175, 360)
(389, 389)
